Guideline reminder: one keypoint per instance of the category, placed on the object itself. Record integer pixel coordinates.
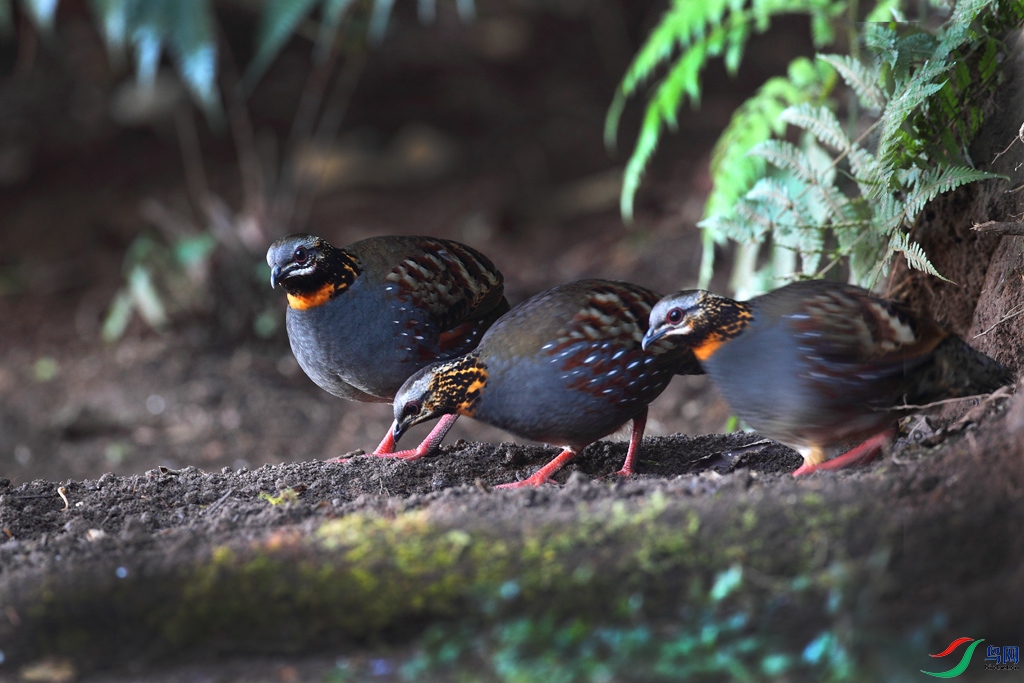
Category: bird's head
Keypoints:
(448, 387)
(702, 320)
(309, 269)
(296, 258)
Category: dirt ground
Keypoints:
(127, 470)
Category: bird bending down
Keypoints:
(363, 318)
(818, 365)
(565, 367)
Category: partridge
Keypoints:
(819, 365)
(363, 318)
(565, 367)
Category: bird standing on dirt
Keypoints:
(564, 367)
(363, 318)
(818, 365)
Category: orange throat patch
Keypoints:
(708, 347)
(301, 302)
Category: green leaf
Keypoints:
(726, 582)
(939, 180)
(379, 20)
(333, 11)
(192, 39)
(733, 172)
(786, 156)
(280, 19)
(904, 101)
(914, 253)
(113, 18)
(883, 11)
(41, 12)
(661, 110)
(118, 317)
(865, 80)
(820, 122)
(682, 24)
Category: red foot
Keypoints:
(860, 455)
(635, 437)
(386, 449)
(543, 475)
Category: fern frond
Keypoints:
(889, 214)
(661, 110)
(732, 170)
(914, 253)
(681, 22)
(911, 94)
(786, 156)
(821, 123)
(958, 27)
(772, 192)
(865, 80)
(940, 180)
(883, 11)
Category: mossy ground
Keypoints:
(747, 576)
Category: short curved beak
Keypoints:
(398, 428)
(275, 276)
(652, 335)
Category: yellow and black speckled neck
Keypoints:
(721, 319)
(456, 386)
(336, 270)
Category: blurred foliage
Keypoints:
(832, 192)
(719, 638)
(174, 271)
(186, 30)
(162, 278)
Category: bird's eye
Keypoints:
(300, 256)
(411, 409)
(675, 316)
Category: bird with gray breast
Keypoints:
(565, 367)
(817, 365)
(363, 318)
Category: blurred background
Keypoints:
(139, 190)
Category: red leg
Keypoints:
(635, 437)
(386, 449)
(387, 444)
(860, 455)
(542, 475)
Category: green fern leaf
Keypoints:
(772, 192)
(682, 24)
(733, 172)
(661, 110)
(914, 253)
(865, 81)
(883, 11)
(908, 97)
(820, 122)
(889, 214)
(786, 156)
(940, 180)
(958, 27)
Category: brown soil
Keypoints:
(201, 534)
